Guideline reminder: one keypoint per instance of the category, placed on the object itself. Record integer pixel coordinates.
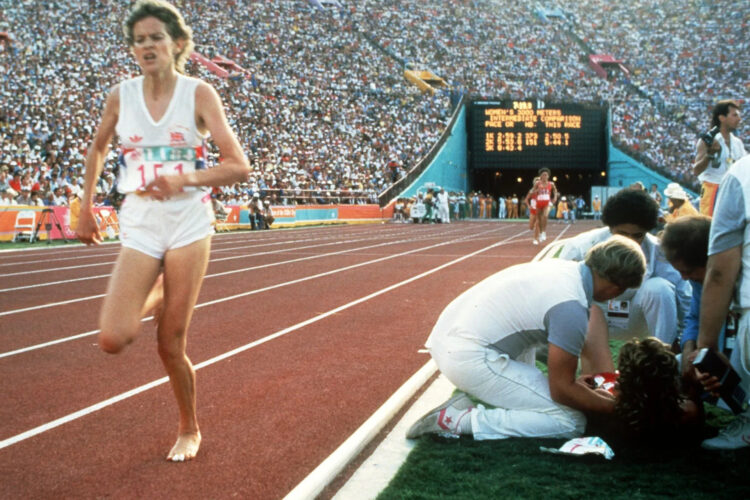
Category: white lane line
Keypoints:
(52, 283)
(52, 304)
(67, 268)
(125, 395)
(252, 268)
(377, 470)
(217, 243)
(316, 256)
(220, 259)
(75, 246)
(44, 261)
(323, 474)
(232, 297)
(92, 256)
(57, 341)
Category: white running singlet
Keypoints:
(149, 149)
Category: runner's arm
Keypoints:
(722, 270)
(569, 391)
(88, 229)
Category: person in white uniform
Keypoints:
(443, 206)
(162, 119)
(485, 340)
(658, 307)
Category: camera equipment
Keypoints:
(707, 361)
(48, 218)
(708, 137)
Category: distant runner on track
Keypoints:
(162, 119)
(545, 192)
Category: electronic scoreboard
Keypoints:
(533, 134)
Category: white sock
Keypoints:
(459, 421)
(464, 422)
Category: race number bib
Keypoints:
(140, 166)
(618, 307)
(618, 313)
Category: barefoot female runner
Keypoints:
(162, 119)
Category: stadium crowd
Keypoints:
(658, 107)
(323, 110)
(322, 115)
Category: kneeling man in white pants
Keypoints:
(484, 342)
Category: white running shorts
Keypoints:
(153, 227)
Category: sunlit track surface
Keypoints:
(298, 337)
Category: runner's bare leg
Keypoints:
(184, 269)
(128, 290)
(155, 300)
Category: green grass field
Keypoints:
(516, 468)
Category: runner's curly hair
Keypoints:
(648, 399)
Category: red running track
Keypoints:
(298, 337)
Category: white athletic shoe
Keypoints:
(444, 420)
(735, 435)
(536, 242)
(543, 237)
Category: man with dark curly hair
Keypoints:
(658, 307)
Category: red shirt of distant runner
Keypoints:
(543, 194)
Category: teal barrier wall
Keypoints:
(301, 215)
(449, 169)
(624, 171)
(317, 214)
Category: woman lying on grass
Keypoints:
(649, 405)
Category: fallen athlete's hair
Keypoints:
(648, 388)
(173, 20)
(631, 206)
(619, 260)
(686, 240)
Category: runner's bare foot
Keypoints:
(185, 448)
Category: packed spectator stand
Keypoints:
(322, 108)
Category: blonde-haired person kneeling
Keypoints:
(484, 342)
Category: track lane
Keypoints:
(23, 382)
(78, 297)
(251, 403)
(22, 299)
